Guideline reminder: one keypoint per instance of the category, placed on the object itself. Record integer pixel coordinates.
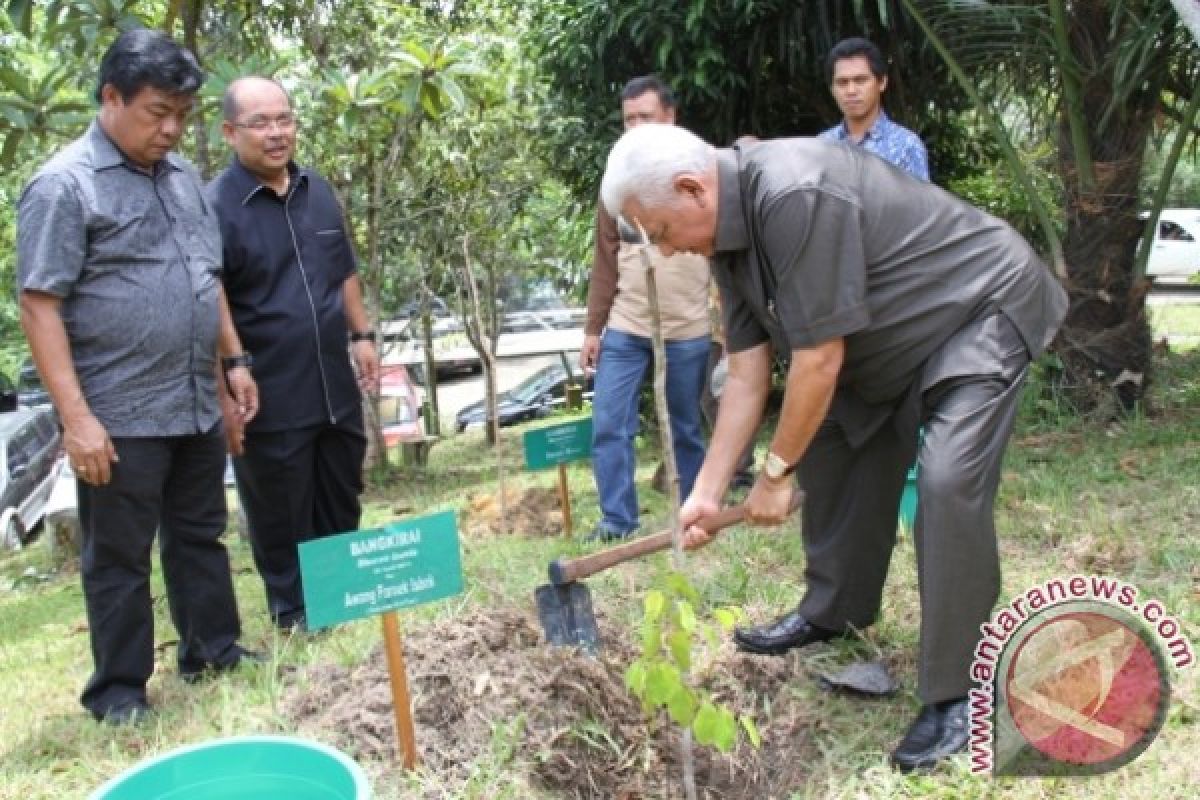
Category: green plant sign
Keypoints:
(558, 444)
(363, 573)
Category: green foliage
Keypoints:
(674, 641)
(997, 192)
(1184, 188)
(741, 66)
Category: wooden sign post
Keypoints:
(377, 571)
(558, 445)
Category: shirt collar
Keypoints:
(877, 130)
(106, 154)
(731, 223)
(247, 183)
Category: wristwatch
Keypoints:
(362, 336)
(775, 468)
(240, 360)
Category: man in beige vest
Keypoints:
(617, 343)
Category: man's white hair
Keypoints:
(645, 161)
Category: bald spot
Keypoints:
(245, 86)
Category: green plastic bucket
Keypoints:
(242, 768)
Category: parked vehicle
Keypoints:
(1175, 251)
(403, 343)
(533, 398)
(8, 394)
(30, 445)
(30, 391)
(399, 407)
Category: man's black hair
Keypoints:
(649, 83)
(144, 57)
(852, 47)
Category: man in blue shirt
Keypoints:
(857, 76)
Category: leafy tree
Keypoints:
(738, 66)
(1096, 78)
(1093, 81)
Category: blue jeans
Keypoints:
(622, 365)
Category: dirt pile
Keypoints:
(573, 728)
(530, 512)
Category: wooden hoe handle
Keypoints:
(563, 572)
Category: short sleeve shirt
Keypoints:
(135, 258)
(286, 262)
(816, 241)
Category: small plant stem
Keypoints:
(668, 459)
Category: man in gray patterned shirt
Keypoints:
(118, 260)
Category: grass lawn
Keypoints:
(1122, 500)
(1179, 324)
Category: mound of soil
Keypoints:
(575, 730)
(529, 512)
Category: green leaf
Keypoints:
(14, 81)
(725, 618)
(704, 726)
(20, 12)
(635, 678)
(727, 728)
(662, 682)
(653, 605)
(408, 60)
(419, 54)
(8, 153)
(682, 587)
(431, 101)
(681, 649)
(687, 616)
(751, 730)
(682, 706)
(453, 91)
(651, 640)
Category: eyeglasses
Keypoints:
(284, 122)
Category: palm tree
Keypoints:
(1099, 79)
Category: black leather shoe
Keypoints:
(939, 731)
(191, 673)
(775, 639)
(129, 713)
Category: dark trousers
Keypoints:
(966, 401)
(172, 484)
(298, 485)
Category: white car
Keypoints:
(30, 463)
(1175, 252)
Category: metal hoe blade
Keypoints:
(567, 617)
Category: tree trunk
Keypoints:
(377, 453)
(1105, 343)
(191, 25)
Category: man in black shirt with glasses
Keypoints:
(294, 293)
